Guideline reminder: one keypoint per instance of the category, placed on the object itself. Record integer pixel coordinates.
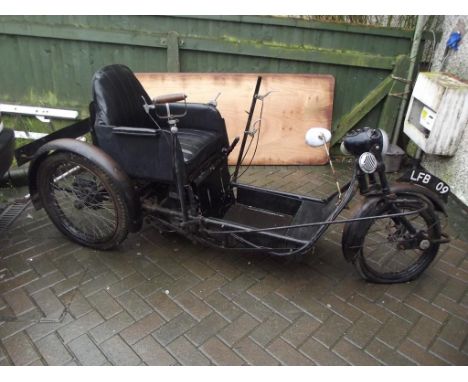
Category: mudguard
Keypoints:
(98, 157)
(351, 230)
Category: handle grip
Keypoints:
(168, 98)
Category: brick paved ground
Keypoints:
(160, 300)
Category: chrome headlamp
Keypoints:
(364, 140)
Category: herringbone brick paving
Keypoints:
(161, 300)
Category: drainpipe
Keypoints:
(421, 21)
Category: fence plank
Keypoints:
(361, 109)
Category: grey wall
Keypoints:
(453, 170)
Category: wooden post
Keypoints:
(396, 95)
(173, 63)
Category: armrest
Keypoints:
(139, 131)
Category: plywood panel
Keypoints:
(297, 102)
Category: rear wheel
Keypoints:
(398, 249)
(82, 201)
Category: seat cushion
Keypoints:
(197, 146)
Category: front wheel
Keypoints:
(82, 201)
(397, 249)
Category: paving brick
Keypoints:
(394, 331)
(287, 355)
(17, 264)
(201, 270)
(319, 354)
(164, 305)
(449, 354)
(105, 304)
(331, 330)
(225, 267)
(387, 355)
(353, 355)
(50, 305)
(254, 354)
(38, 330)
(445, 306)
(134, 305)
(223, 306)
(11, 328)
(53, 350)
(265, 286)
(142, 328)
(152, 353)
(238, 329)
(454, 289)
(45, 282)
(418, 355)
(80, 326)
(220, 354)
(174, 328)
(193, 305)
(397, 308)
(19, 301)
(315, 308)
(208, 286)
(171, 267)
(20, 349)
(429, 290)
(282, 307)
(428, 309)
(124, 285)
(237, 286)
(424, 332)
(186, 353)
(300, 330)
(206, 328)
(253, 306)
(119, 353)
(184, 284)
(269, 330)
(362, 331)
(69, 266)
(77, 305)
(87, 353)
(454, 332)
(343, 309)
(373, 310)
(42, 265)
(19, 281)
(102, 281)
(111, 327)
(71, 283)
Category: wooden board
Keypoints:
(297, 102)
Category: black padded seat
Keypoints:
(118, 99)
(197, 146)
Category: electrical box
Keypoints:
(437, 113)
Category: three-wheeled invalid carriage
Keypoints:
(166, 159)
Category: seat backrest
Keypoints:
(117, 96)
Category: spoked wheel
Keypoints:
(398, 249)
(82, 201)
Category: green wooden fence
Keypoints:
(49, 60)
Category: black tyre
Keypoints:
(388, 251)
(82, 201)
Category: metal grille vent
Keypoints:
(368, 162)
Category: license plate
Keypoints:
(427, 180)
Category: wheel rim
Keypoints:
(83, 202)
(391, 251)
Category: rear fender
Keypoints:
(352, 232)
(99, 158)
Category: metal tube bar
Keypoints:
(247, 128)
